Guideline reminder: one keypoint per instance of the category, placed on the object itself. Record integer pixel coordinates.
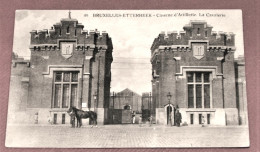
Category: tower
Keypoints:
(196, 66)
(69, 67)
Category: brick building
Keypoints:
(241, 90)
(197, 67)
(18, 93)
(69, 66)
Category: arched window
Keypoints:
(75, 32)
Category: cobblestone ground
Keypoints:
(124, 136)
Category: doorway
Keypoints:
(169, 114)
(127, 107)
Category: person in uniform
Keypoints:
(178, 118)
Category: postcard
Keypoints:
(128, 79)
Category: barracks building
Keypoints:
(194, 71)
(69, 66)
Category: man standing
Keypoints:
(133, 117)
(151, 120)
(178, 118)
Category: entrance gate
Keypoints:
(146, 114)
(119, 116)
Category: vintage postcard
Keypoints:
(128, 79)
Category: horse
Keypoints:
(80, 114)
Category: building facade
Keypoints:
(241, 90)
(18, 94)
(197, 67)
(69, 66)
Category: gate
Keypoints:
(126, 116)
(146, 115)
(119, 116)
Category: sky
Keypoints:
(132, 36)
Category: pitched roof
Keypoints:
(128, 92)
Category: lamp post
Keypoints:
(169, 96)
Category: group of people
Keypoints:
(150, 120)
(140, 121)
(177, 119)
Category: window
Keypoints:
(198, 31)
(55, 118)
(65, 89)
(200, 118)
(198, 89)
(63, 118)
(208, 118)
(68, 29)
(206, 33)
(191, 119)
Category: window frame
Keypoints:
(62, 83)
(202, 83)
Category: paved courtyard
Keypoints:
(124, 136)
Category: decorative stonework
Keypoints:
(67, 49)
(198, 51)
(212, 69)
(220, 58)
(45, 57)
(177, 58)
(51, 68)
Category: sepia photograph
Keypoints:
(128, 79)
